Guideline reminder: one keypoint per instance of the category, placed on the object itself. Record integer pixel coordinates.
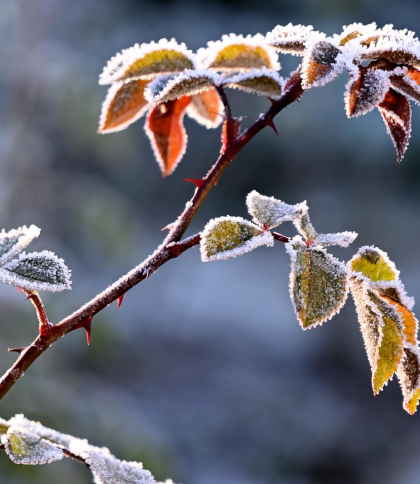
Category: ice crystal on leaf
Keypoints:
(319, 283)
(37, 271)
(239, 53)
(124, 104)
(165, 129)
(227, 237)
(206, 108)
(188, 83)
(145, 61)
(14, 241)
(257, 81)
(268, 212)
(291, 39)
(355, 31)
(344, 239)
(27, 448)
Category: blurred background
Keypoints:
(204, 374)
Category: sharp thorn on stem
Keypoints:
(120, 300)
(30, 296)
(197, 182)
(273, 126)
(19, 290)
(18, 350)
(87, 324)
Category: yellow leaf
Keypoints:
(374, 264)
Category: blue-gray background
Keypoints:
(204, 373)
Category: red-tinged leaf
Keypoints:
(165, 129)
(120, 301)
(408, 83)
(206, 108)
(124, 104)
(366, 91)
(396, 113)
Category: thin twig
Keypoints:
(44, 324)
(164, 253)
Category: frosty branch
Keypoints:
(165, 81)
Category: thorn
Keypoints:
(167, 227)
(198, 183)
(273, 101)
(87, 324)
(18, 350)
(30, 296)
(19, 290)
(120, 300)
(273, 126)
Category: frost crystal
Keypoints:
(303, 223)
(291, 39)
(238, 53)
(227, 237)
(355, 31)
(206, 108)
(319, 283)
(186, 84)
(14, 241)
(37, 271)
(344, 239)
(365, 91)
(24, 447)
(148, 60)
(257, 81)
(269, 212)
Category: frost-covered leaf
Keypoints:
(163, 89)
(396, 113)
(374, 264)
(124, 104)
(318, 283)
(258, 81)
(355, 31)
(107, 469)
(291, 39)
(320, 64)
(14, 241)
(37, 271)
(344, 239)
(268, 212)
(409, 377)
(148, 60)
(238, 53)
(406, 80)
(27, 448)
(303, 224)
(365, 91)
(165, 129)
(226, 237)
(206, 108)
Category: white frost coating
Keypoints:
(263, 238)
(364, 31)
(37, 271)
(383, 254)
(117, 66)
(109, 99)
(402, 83)
(271, 84)
(206, 56)
(27, 448)
(14, 241)
(371, 93)
(270, 212)
(291, 39)
(393, 289)
(344, 239)
(186, 84)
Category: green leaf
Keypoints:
(269, 212)
(261, 82)
(226, 237)
(318, 283)
(27, 448)
(374, 264)
(148, 60)
(14, 241)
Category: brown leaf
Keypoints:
(165, 129)
(396, 113)
(206, 108)
(124, 104)
(318, 65)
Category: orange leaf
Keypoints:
(165, 129)
(124, 104)
(206, 108)
(396, 113)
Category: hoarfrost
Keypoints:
(344, 239)
(227, 237)
(269, 212)
(148, 60)
(355, 31)
(406, 80)
(257, 81)
(319, 283)
(291, 39)
(321, 63)
(395, 290)
(303, 223)
(14, 241)
(37, 271)
(238, 53)
(186, 84)
(27, 448)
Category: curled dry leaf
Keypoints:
(124, 104)
(206, 108)
(396, 113)
(165, 129)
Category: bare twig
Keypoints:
(170, 248)
(44, 324)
